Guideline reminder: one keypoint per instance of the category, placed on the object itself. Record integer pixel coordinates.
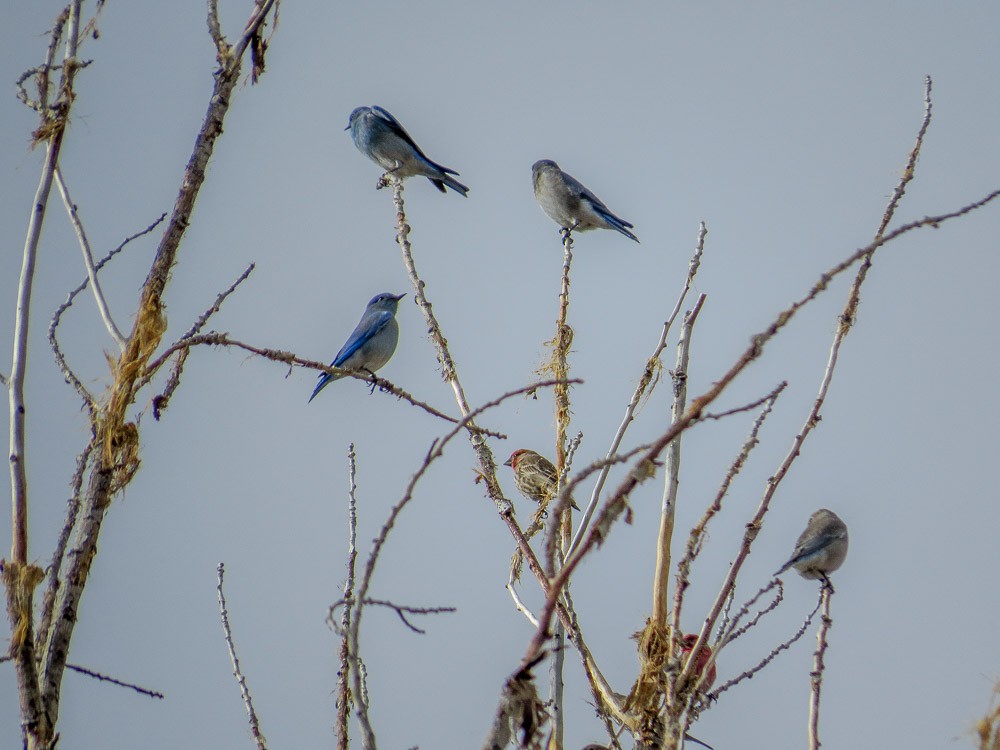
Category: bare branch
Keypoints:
(697, 535)
(237, 672)
(732, 632)
(105, 678)
(276, 355)
(173, 382)
(646, 382)
(59, 553)
(816, 676)
(783, 646)
(88, 261)
(671, 479)
(215, 31)
(68, 373)
(116, 457)
(344, 697)
(401, 611)
(20, 578)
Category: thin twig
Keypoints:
(518, 604)
(733, 632)
(174, 380)
(697, 535)
(105, 678)
(646, 381)
(819, 664)
(276, 355)
(344, 696)
(88, 261)
(68, 373)
(783, 646)
(237, 673)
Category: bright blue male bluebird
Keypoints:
(570, 204)
(380, 137)
(821, 548)
(372, 342)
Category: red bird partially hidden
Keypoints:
(704, 654)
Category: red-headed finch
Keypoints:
(534, 475)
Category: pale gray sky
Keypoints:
(784, 126)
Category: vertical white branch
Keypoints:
(671, 479)
(88, 262)
(645, 382)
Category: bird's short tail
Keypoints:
(620, 224)
(451, 182)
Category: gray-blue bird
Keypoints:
(380, 137)
(821, 548)
(570, 204)
(372, 342)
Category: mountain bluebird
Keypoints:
(372, 342)
(821, 548)
(571, 205)
(380, 137)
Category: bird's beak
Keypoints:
(509, 462)
(400, 296)
(348, 126)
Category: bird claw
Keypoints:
(827, 584)
(383, 181)
(373, 382)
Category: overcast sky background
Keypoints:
(785, 126)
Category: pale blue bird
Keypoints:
(570, 204)
(380, 137)
(372, 342)
(821, 548)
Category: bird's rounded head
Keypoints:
(386, 301)
(355, 114)
(542, 165)
(515, 457)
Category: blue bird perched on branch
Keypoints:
(372, 342)
(570, 204)
(380, 137)
(821, 548)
